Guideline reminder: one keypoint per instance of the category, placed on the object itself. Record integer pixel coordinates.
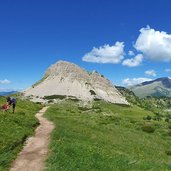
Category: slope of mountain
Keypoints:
(64, 78)
(158, 105)
(129, 95)
(156, 88)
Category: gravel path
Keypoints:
(34, 153)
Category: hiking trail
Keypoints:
(35, 151)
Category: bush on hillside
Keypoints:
(148, 128)
(50, 101)
(122, 105)
(61, 97)
(84, 108)
(147, 118)
(168, 116)
(38, 103)
(73, 98)
(169, 126)
(168, 152)
(169, 132)
(167, 120)
(97, 99)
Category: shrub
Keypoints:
(148, 128)
(74, 100)
(54, 97)
(169, 116)
(133, 121)
(122, 105)
(167, 120)
(168, 152)
(147, 118)
(50, 101)
(157, 118)
(38, 103)
(83, 108)
(169, 126)
(169, 133)
(97, 99)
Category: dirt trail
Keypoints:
(32, 157)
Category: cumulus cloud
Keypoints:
(167, 70)
(106, 54)
(131, 53)
(150, 73)
(5, 81)
(134, 81)
(133, 62)
(155, 45)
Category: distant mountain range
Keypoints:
(156, 88)
(7, 93)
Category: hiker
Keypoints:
(12, 101)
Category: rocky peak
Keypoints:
(65, 78)
(66, 70)
(164, 80)
(61, 67)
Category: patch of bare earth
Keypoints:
(34, 153)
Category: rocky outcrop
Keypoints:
(64, 78)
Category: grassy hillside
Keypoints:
(14, 128)
(160, 106)
(129, 95)
(107, 137)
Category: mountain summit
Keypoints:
(65, 78)
(156, 88)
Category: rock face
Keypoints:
(64, 78)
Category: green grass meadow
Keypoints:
(107, 137)
(14, 129)
(97, 137)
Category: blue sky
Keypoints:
(36, 33)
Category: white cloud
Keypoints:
(167, 70)
(154, 45)
(151, 73)
(133, 62)
(131, 53)
(134, 81)
(106, 54)
(5, 81)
